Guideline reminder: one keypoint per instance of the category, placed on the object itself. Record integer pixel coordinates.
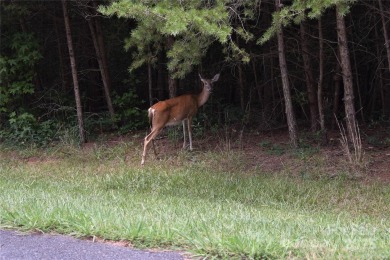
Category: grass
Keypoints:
(202, 202)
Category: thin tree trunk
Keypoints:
(385, 35)
(102, 69)
(274, 84)
(384, 93)
(241, 85)
(346, 74)
(320, 79)
(381, 87)
(74, 74)
(160, 78)
(311, 91)
(292, 126)
(257, 86)
(358, 87)
(103, 52)
(336, 96)
(172, 83)
(102, 46)
(150, 83)
(64, 81)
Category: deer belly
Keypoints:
(174, 121)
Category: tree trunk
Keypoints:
(160, 79)
(384, 95)
(172, 83)
(336, 95)
(358, 87)
(385, 35)
(346, 74)
(320, 80)
(102, 46)
(150, 82)
(292, 128)
(311, 91)
(103, 70)
(64, 80)
(380, 79)
(257, 85)
(241, 86)
(103, 52)
(74, 74)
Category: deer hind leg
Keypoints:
(184, 133)
(189, 121)
(150, 138)
(154, 148)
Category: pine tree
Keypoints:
(193, 25)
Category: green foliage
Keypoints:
(192, 26)
(24, 129)
(20, 53)
(97, 123)
(299, 10)
(129, 115)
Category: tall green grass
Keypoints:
(202, 202)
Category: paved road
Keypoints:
(14, 245)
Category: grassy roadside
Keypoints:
(190, 203)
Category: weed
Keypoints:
(353, 150)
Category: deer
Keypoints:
(173, 111)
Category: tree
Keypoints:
(311, 91)
(19, 55)
(292, 128)
(17, 70)
(300, 10)
(193, 24)
(74, 74)
(346, 72)
(35, 76)
(321, 78)
(98, 42)
(385, 34)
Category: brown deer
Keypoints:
(175, 110)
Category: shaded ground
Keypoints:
(263, 151)
(270, 152)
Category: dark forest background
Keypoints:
(127, 59)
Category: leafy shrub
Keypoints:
(25, 129)
(130, 116)
(19, 56)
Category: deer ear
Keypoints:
(202, 79)
(216, 77)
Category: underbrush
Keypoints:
(207, 203)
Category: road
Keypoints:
(21, 246)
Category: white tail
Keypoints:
(177, 110)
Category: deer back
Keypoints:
(173, 111)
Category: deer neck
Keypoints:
(203, 97)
